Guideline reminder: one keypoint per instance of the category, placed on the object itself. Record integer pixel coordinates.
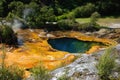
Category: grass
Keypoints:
(106, 21)
(40, 73)
(64, 77)
(11, 72)
(106, 64)
(83, 20)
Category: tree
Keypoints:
(1, 7)
(94, 18)
(17, 7)
(7, 35)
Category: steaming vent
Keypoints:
(17, 25)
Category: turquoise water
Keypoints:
(71, 45)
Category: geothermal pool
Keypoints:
(72, 45)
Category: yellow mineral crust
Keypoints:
(83, 37)
(34, 53)
(36, 50)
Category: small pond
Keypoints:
(71, 45)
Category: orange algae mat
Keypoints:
(36, 52)
(39, 51)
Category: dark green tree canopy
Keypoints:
(106, 7)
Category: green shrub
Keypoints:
(106, 64)
(7, 35)
(94, 17)
(92, 25)
(32, 14)
(69, 15)
(16, 8)
(84, 11)
(64, 16)
(40, 73)
(66, 24)
(64, 77)
(88, 27)
(11, 73)
(1, 8)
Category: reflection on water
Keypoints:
(71, 45)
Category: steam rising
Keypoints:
(20, 23)
(27, 12)
(17, 24)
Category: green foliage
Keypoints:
(92, 25)
(94, 18)
(7, 35)
(54, 10)
(60, 7)
(66, 24)
(69, 15)
(47, 14)
(11, 73)
(88, 27)
(40, 73)
(16, 7)
(84, 11)
(64, 77)
(106, 64)
(33, 14)
(2, 7)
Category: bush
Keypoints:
(84, 11)
(7, 35)
(106, 64)
(32, 14)
(40, 73)
(16, 8)
(66, 24)
(94, 17)
(1, 8)
(69, 15)
(11, 73)
(88, 27)
(64, 77)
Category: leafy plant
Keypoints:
(11, 72)
(40, 73)
(66, 24)
(7, 35)
(88, 27)
(106, 64)
(32, 14)
(16, 8)
(94, 17)
(64, 77)
(84, 11)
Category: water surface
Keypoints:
(71, 45)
